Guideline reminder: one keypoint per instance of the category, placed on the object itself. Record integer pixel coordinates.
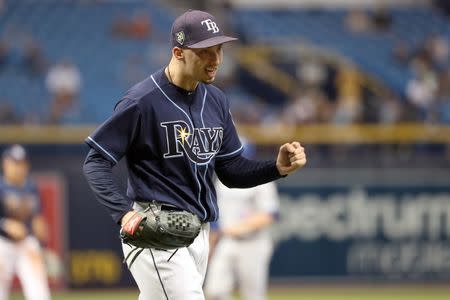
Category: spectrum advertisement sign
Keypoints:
(363, 229)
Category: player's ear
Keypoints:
(177, 53)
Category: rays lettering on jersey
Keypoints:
(200, 144)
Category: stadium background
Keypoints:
(364, 85)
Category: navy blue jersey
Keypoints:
(19, 203)
(171, 139)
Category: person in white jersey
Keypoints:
(243, 245)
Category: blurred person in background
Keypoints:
(241, 245)
(437, 47)
(139, 26)
(8, 115)
(363, 21)
(34, 61)
(308, 105)
(381, 18)
(63, 82)
(422, 88)
(22, 228)
(349, 83)
(357, 21)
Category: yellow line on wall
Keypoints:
(259, 134)
(44, 134)
(348, 134)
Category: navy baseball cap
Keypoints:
(16, 152)
(197, 29)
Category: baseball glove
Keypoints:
(161, 229)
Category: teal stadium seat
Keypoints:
(372, 52)
(81, 33)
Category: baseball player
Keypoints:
(242, 243)
(175, 130)
(22, 229)
(244, 247)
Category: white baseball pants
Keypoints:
(25, 259)
(165, 275)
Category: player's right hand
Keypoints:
(15, 229)
(127, 217)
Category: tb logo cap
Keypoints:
(197, 29)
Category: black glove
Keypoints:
(161, 229)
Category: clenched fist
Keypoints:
(291, 157)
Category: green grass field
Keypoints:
(305, 293)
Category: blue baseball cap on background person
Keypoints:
(197, 29)
(16, 152)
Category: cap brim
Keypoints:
(212, 42)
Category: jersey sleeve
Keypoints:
(114, 136)
(231, 145)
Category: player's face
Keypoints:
(203, 63)
(15, 171)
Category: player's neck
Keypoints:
(177, 77)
